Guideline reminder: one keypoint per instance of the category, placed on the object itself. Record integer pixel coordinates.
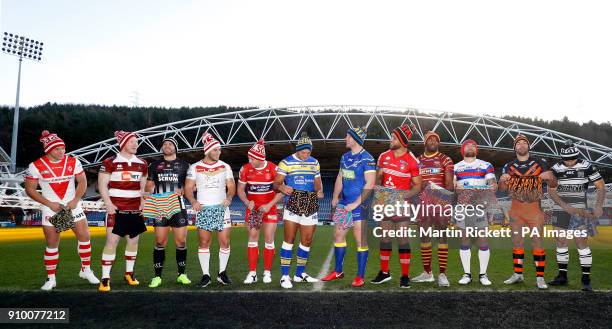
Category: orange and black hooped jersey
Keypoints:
(525, 184)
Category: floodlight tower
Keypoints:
(22, 47)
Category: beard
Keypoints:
(522, 153)
(393, 146)
(432, 148)
(470, 154)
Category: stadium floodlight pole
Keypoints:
(22, 47)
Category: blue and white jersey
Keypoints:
(353, 168)
(474, 174)
(300, 175)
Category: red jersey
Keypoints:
(433, 168)
(258, 182)
(398, 172)
(125, 177)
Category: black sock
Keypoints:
(159, 255)
(181, 259)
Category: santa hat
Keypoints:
(468, 142)
(123, 137)
(431, 134)
(50, 141)
(209, 142)
(521, 137)
(258, 150)
(403, 134)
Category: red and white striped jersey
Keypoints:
(398, 172)
(125, 178)
(258, 182)
(56, 179)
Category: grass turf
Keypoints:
(21, 267)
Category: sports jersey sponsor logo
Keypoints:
(300, 180)
(348, 174)
(430, 171)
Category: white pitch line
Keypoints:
(318, 286)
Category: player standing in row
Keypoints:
(255, 190)
(398, 169)
(570, 210)
(299, 179)
(354, 184)
(56, 174)
(523, 178)
(436, 169)
(121, 182)
(473, 175)
(215, 186)
(166, 181)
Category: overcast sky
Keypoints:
(532, 58)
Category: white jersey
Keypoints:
(474, 174)
(210, 180)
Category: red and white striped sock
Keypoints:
(130, 260)
(85, 254)
(51, 260)
(107, 263)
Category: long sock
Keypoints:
(442, 256)
(483, 257)
(465, 253)
(268, 256)
(130, 260)
(204, 257)
(362, 261)
(385, 254)
(339, 252)
(302, 259)
(51, 259)
(518, 256)
(404, 257)
(181, 259)
(224, 255)
(159, 256)
(426, 256)
(252, 255)
(85, 255)
(286, 254)
(562, 260)
(586, 260)
(108, 258)
(539, 258)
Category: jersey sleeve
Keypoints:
(191, 172)
(78, 167)
(228, 172)
(544, 164)
(414, 168)
(317, 169)
(379, 162)
(490, 172)
(152, 173)
(32, 173)
(183, 173)
(448, 164)
(592, 173)
(506, 168)
(145, 168)
(369, 165)
(282, 168)
(107, 166)
(242, 176)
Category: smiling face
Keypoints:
(57, 153)
(131, 146)
(522, 148)
(394, 143)
(303, 154)
(469, 151)
(432, 145)
(168, 148)
(214, 154)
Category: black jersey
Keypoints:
(574, 181)
(525, 184)
(168, 175)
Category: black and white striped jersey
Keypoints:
(574, 181)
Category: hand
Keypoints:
(251, 205)
(226, 202)
(55, 206)
(265, 208)
(196, 206)
(504, 178)
(179, 191)
(111, 209)
(573, 211)
(142, 202)
(73, 204)
(547, 175)
(598, 212)
(334, 202)
(286, 189)
(351, 206)
(320, 194)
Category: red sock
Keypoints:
(268, 256)
(51, 259)
(85, 254)
(384, 259)
(404, 257)
(253, 254)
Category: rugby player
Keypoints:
(56, 174)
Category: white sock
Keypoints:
(204, 257)
(224, 255)
(483, 257)
(130, 260)
(106, 269)
(466, 256)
